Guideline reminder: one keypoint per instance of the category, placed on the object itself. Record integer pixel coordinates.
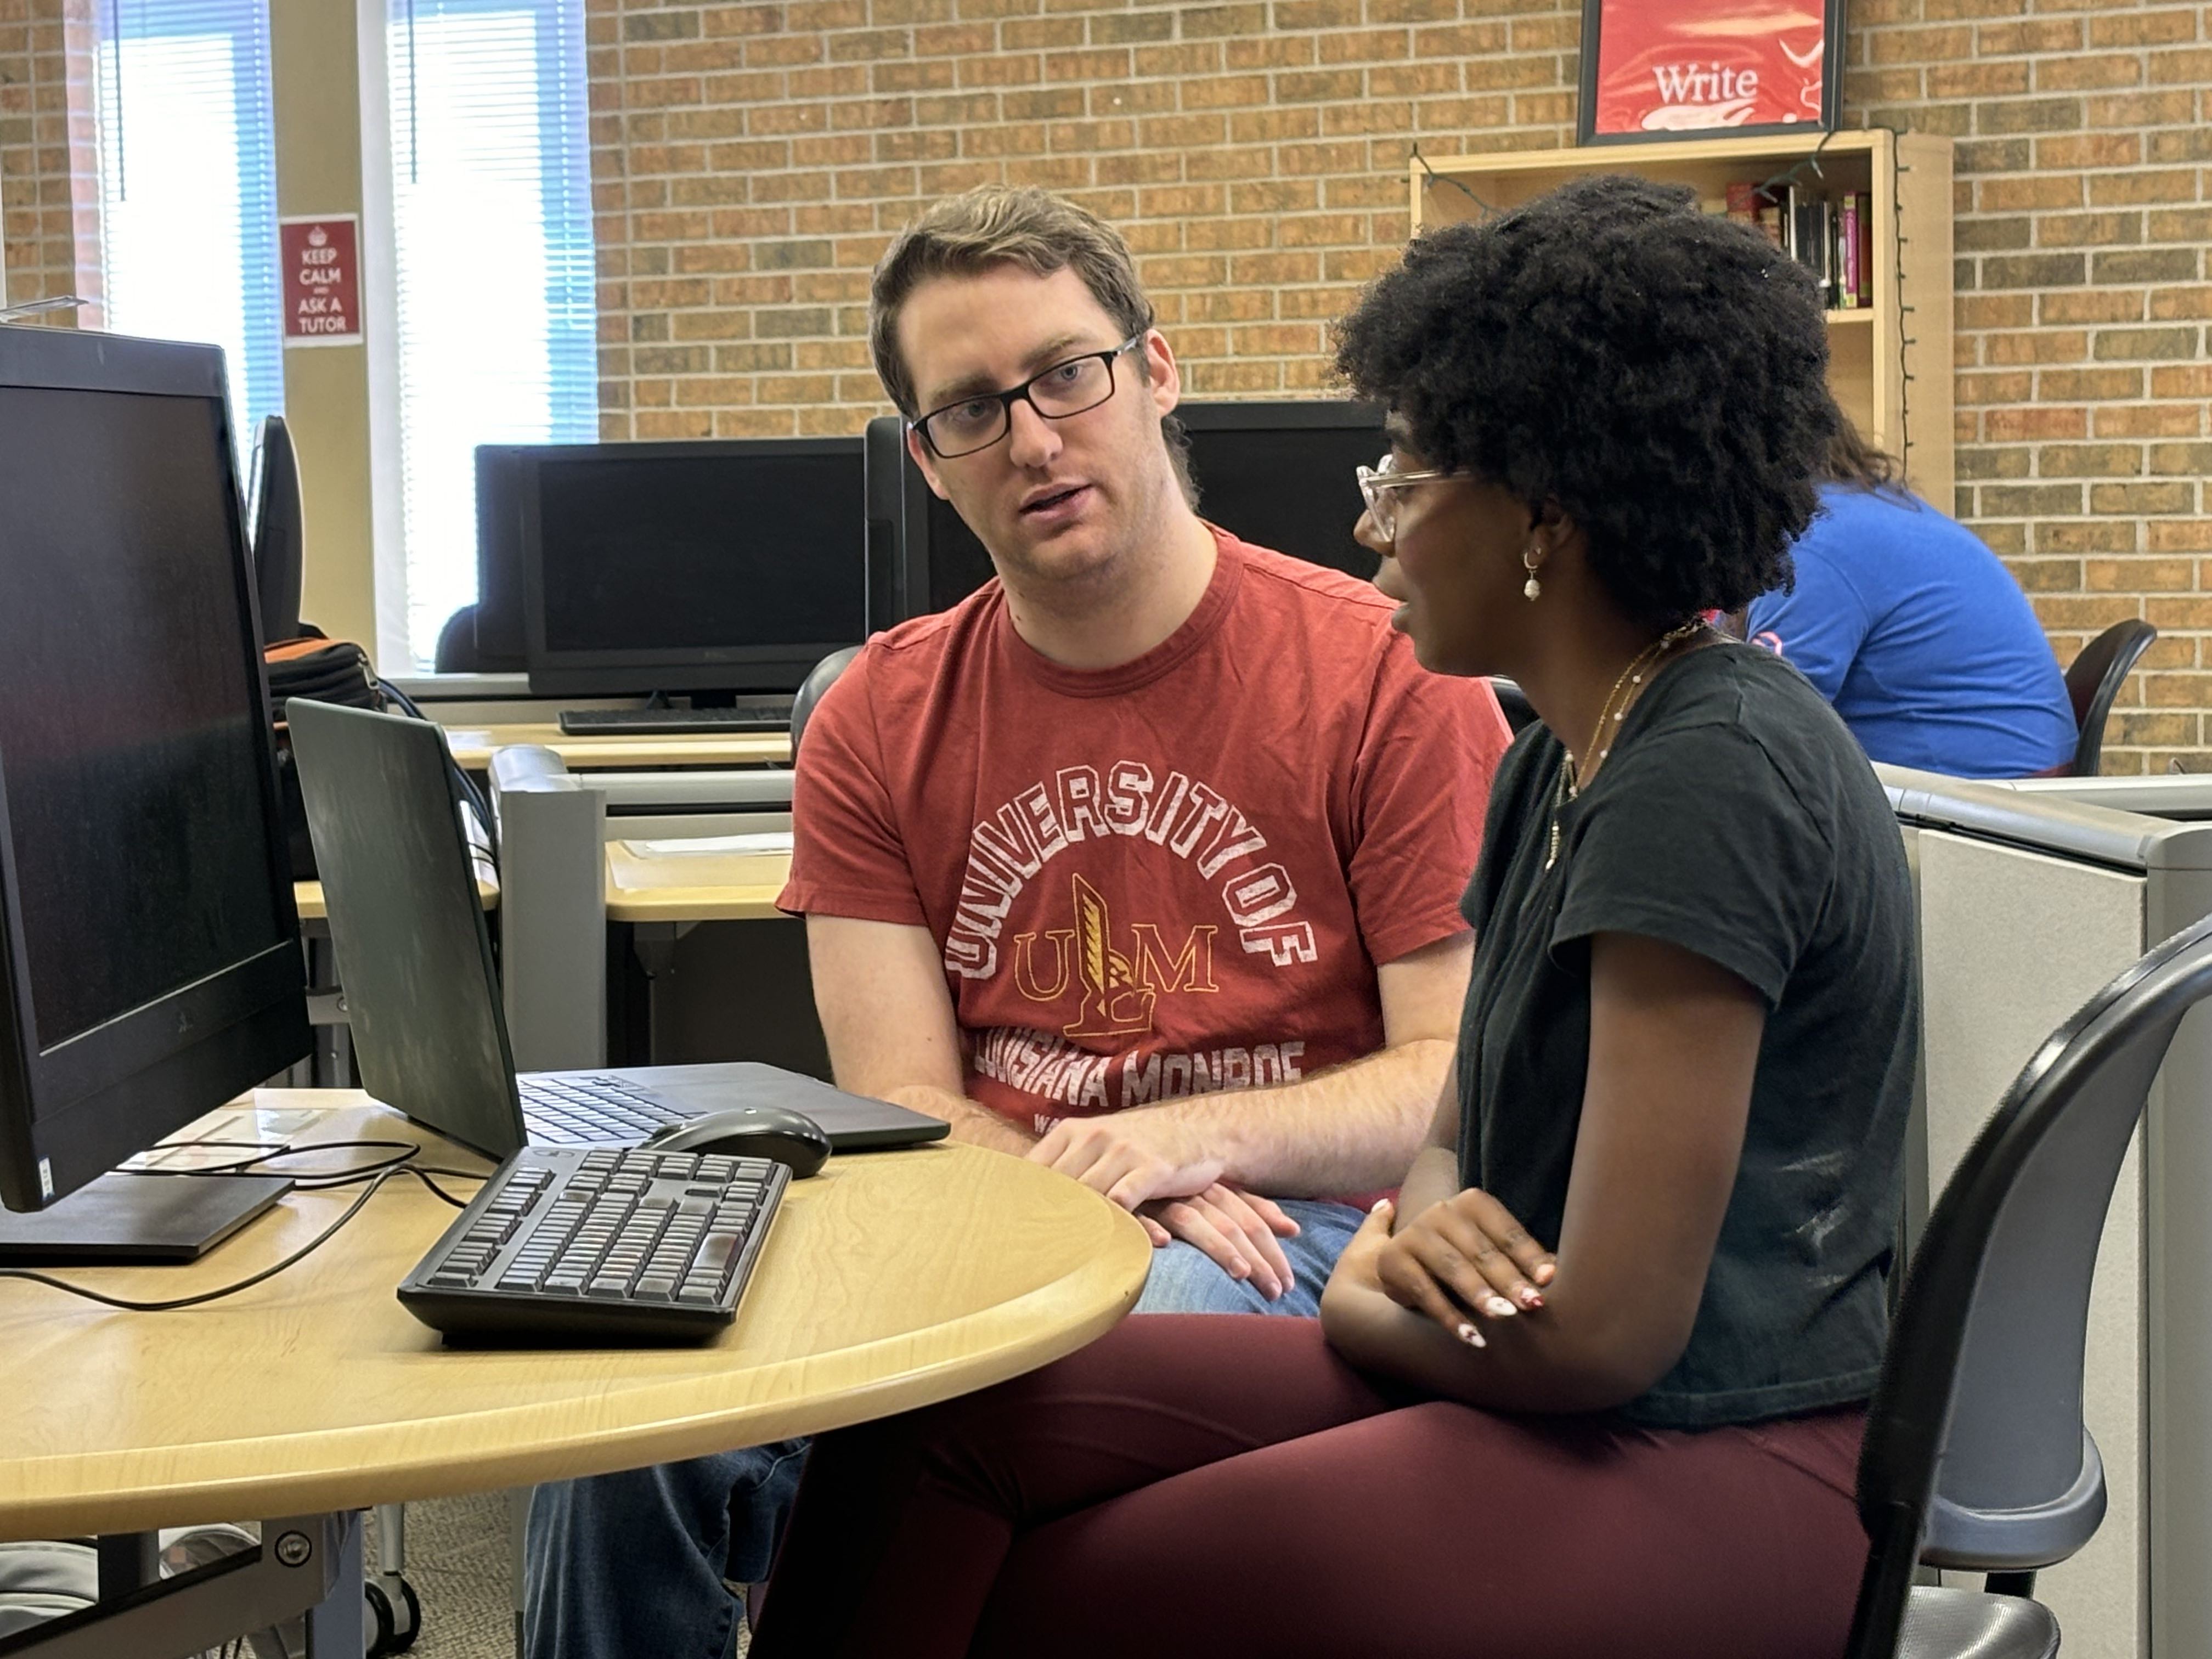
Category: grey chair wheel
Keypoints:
(396, 1628)
(409, 1624)
(380, 1619)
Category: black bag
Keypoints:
(328, 671)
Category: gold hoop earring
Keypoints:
(1532, 587)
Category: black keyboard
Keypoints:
(569, 1111)
(599, 1245)
(748, 714)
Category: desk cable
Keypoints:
(376, 1173)
(472, 797)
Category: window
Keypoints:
(188, 184)
(491, 224)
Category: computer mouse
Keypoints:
(775, 1133)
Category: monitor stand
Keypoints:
(119, 1219)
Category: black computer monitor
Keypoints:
(279, 531)
(702, 567)
(1278, 474)
(150, 954)
(501, 473)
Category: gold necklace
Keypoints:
(1608, 717)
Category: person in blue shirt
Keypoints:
(1915, 631)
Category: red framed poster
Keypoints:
(1683, 69)
(322, 279)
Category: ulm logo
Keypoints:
(1119, 989)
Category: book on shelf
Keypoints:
(1847, 254)
(1864, 265)
(1813, 240)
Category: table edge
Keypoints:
(1103, 1291)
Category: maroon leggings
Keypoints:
(1226, 1486)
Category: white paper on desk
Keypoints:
(759, 843)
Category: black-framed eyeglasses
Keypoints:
(1069, 387)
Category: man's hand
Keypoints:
(1131, 1157)
(1463, 1258)
(1239, 1232)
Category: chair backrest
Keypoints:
(1518, 710)
(456, 652)
(279, 533)
(2093, 680)
(818, 680)
(1976, 1455)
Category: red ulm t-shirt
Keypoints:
(1164, 879)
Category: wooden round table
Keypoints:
(890, 1280)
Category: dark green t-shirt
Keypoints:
(1736, 818)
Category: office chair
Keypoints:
(45, 1578)
(2093, 680)
(280, 533)
(1976, 1455)
(823, 676)
(1519, 711)
(456, 652)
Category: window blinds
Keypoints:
(491, 217)
(188, 186)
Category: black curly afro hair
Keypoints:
(1657, 372)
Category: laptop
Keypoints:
(421, 988)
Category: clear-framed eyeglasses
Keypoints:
(1380, 484)
(1066, 388)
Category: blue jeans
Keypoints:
(641, 1562)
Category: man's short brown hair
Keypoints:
(996, 225)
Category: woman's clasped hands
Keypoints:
(1462, 1260)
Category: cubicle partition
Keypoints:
(588, 982)
(2031, 897)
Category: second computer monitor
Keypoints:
(699, 568)
(1278, 474)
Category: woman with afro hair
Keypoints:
(1594, 1383)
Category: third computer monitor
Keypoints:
(1278, 474)
(701, 567)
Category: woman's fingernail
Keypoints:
(1379, 1206)
(1530, 1298)
(1498, 1307)
(1472, 1337)
(1544, 1272)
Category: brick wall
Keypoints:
(751, 160)
(49, 154)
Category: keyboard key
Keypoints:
(716, 1252)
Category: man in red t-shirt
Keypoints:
(1143, 862)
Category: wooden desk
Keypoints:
(473, 746)
(890, 1280)
(308, 897)
(694, 886)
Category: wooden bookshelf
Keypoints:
(1889, 362)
